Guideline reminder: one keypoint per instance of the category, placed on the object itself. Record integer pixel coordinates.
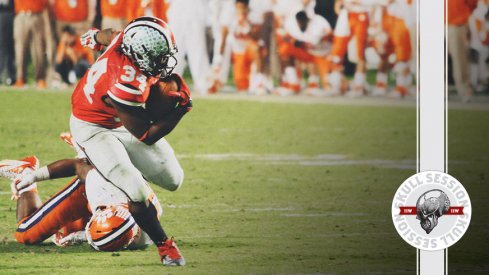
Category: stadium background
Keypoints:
(274, 185)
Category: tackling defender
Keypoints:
(110, 125)
(87, 208)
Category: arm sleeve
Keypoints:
(126, 94)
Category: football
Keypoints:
(159, 103)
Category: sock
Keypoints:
(291, 76)
(335, 81)
(381, 78)
(359, 80)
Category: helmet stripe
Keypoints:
(163, 30)
(116, 233)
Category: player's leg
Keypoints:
(21, 36)
(241, 80)
(198, 59)
(341, 38)
(359, 25)
(38, 50)
(156, 162)
(66, 206)
(27, 203)
(109, 156)
(402, 48)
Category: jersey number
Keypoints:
(94, 74)
(130, 75)
(100, 67)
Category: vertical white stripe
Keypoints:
(431, 107)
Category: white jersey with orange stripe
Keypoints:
(240, 31)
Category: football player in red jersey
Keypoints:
(110, 125)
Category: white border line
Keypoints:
(432, 109)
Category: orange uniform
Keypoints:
(71, 11)
(82, 52)
(34, 6)
(67, 208)
(244, 52)
(399, 35)
(114, 8)
(458, 11)
(156, 8)
(350, 25)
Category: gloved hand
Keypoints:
(88, 39)
(183, 94)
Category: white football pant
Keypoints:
(123, 160)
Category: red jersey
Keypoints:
(112, 75)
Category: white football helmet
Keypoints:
(111, 228)
(150, 44)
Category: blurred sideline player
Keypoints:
(29, 33)
(352, 25)
(458, 13)
(479, 42)
(392, 40)
(78, 14)
(307, 41)
(111, 126)
(282, 10)
(72, 60)
(156, 8)
(188, 20)
(68, 214)
(244, 48)
(114, 13)
(400, 12)
(222, 15)
(261, 18)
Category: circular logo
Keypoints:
(431, 210)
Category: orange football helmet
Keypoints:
(111, 228)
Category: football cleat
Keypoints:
(73, 238)
(111, 228)
(170, 254)
(13, 169)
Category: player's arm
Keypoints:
(95, 38)
(137, 122)
(58, 169)
(104, 37)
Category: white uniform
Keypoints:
(222, 13)
(188, 19)
(156, 162)
(316, 30)
(478, 27)
(258, 9)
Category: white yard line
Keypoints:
(481, 103)
(325, 160)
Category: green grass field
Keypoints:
(271, 188)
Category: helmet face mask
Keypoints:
(150, 45)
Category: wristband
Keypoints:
(42, 174)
